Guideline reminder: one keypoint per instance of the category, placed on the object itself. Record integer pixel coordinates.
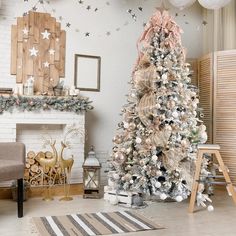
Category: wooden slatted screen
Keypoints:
(225, 108)
(205, 84)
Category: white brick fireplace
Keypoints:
(27, 127)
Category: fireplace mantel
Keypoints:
(8, 132)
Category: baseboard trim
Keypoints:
(57, 190)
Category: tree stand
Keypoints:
(211, 149)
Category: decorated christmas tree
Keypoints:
(155, 148)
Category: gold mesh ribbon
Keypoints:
(146, 108)
(144, 79)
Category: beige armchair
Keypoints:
(12, 164)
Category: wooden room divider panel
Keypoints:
(224, 119)
(217, 91)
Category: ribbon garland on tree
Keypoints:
(76, 104)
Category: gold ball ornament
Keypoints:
(132, 126)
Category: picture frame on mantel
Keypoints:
(87, 72)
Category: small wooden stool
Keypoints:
(211, 149)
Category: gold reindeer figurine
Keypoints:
(66, 166)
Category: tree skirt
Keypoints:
(101, 223)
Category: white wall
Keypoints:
(118, 51)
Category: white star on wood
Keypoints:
(51, 51)
(33, 52)
(45, 34)
(25, 31)
(46, 64)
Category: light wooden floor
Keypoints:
(174, 216)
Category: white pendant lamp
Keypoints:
(213, 4)
(181, 4)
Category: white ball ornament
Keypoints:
(154, 158)
(179, 198)
(210, 208)
(158, 185)
(175, 114)
(131, 181)
(116, 176)
(163, 196)
(126, 125)
(138, 140)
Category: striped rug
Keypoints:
(100, 223)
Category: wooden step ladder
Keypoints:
(211, 149)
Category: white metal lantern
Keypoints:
(213, 4)
(181, 4)
(91, 176)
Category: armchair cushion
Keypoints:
(10, 170)
(12, 151)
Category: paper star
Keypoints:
(48, 2)
(129, 11)
(108, 33)
(134, 16)
(33, 52)
(68, 24)
(34, 8)
(140, 9)
(60, 18)
(25, 31)
(96, 9)
(25, 13)
(87, 34)
(118, 29)
(108, 3)
(51, 51)
(46, 64)
(25, 0)
(144, 24)
(204, 22)
(41, 1)
(80, 2)
(88, 7)
(45, 34)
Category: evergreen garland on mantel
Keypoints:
(75, 104)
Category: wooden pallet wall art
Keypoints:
(38, 51)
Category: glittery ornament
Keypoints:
(175, 114)
(154, 158)
(210, 208)
(163, 196)
(126, 125)
(138, 140)
(157, 184)
(179, 198)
